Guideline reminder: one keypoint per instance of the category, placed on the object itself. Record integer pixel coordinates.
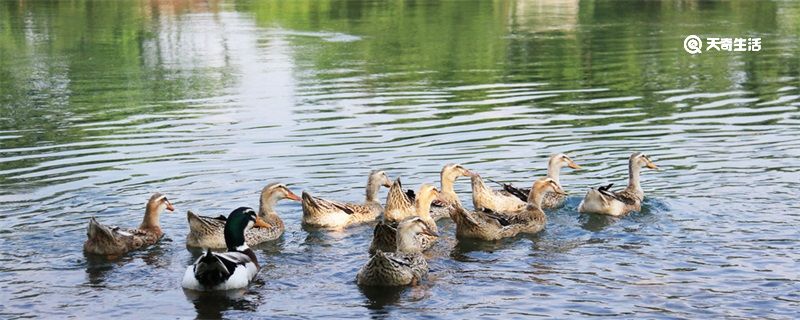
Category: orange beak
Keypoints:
(574, 165)
(292, 196)
(261, 223)
(169, 206)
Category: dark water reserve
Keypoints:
(103, 103)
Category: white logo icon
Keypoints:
(692, 44)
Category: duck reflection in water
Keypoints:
(212, 304)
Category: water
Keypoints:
(104, 103)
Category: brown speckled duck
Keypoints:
(447, 195)
(512, 198)
(208, 232)
(111, 241)
(604, 201)
(325, 213)
(492, 226)
(406, 265)
(384, 237)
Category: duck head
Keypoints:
(562, 160)
(451, 172)
(547, 185)
(407, 232)
(158, 203)
(639, 159)
(379, 177)
(278, 191)
(238, 222)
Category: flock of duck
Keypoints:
(406, 229)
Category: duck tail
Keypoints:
(384, 238)
(460, 215)
(210, 271)
(309, 201)
(97, 230)
(195, 221)
(198, 222)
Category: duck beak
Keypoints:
(470, 173)
(558, 189)
(169, 206)
(652, 165)
(261, 223)
(574, 165)
(427, 230)
(292, 196)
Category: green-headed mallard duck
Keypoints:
(405, 266)
(492, 226)
(384, 237)
(229, 270)
(207, 232)
(114, 241)
(325, 213)
(604, 201)
(512, 198)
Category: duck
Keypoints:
(488, 225)
(112, 241)
(229, 270)
(512, 199)
(447, 196)
(385, 233)
(324, 213)
(602, 200)
(405, 266)
(441, 207)
(208, 232)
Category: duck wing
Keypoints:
(511, 190)
(213, 269)
(198, 222)
(521, 193)
(96, 230)
(321, 204)
(504, 220)
(398, 202)
(627, 197)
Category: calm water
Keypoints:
(103, 103)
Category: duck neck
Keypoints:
(478, 186)
(633, 176)
(407, 242)
(554, 171)
(151, 217)
(372, 191)
(266, 205)
(535, 197)
(234, 239)
(423, 207)
(266, 211)
(447, 193)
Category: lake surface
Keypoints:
(104, 102)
